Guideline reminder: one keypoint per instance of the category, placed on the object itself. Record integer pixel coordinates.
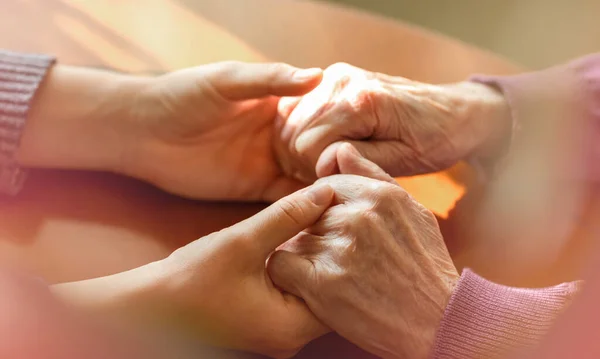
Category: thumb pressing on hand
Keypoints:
(344, 158)
(289, 271)
(285, 218)
(243, 81)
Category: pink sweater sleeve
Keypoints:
(487, 320)
(484, 319)
(566, 98)
(20, 77)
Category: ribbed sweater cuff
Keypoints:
(487, 320)
(20, 77)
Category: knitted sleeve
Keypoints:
(20, 77)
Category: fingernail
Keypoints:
(320, 194)
(307, 74)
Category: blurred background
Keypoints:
(534, 33)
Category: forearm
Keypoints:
(36, 325)
(133, 306)
(79, 120)
(121, 295)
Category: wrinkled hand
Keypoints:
(206, 132)
(404, 126)
(219, 285)
(374, 268)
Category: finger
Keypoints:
(286, 105)
(393, 157)
(314, 104)
(336, 124)
(241, 81)
(290, 272)
(283, 133)
(351, 162)
(286, 217)
(295, 116)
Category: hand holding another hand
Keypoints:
(204, 132)
(207, 132)
(406, 127)
(216, 289)
(375, 268)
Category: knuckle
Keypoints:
(360, 102)
(277, 68)
(361, 215)
(388, 196)
(364, 99)
(336, 181)
(340, 67)
(292, 210)
(381, 189)
(396, 192)
(369, 216)
(229, 66)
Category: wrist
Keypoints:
(504, 310)
(421, 331)
(433, 319)
(79, 120)
(487, 117)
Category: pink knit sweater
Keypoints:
(20, 77)
(487, 320)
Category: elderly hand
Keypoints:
(404, 126)
(217, 288)
(374, 268)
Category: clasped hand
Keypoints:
(367, 260)
(354, 248)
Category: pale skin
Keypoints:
(377, 257)
(171, 131)
(404, 126)
(524, 221)
(236, 306)
(375, 268)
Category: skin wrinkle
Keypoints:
(398, 139)
(321, 111)
(353, 111)
(172, 93)
(391, 113)
(373, 265)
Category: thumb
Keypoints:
(289, 271)
(351, 162)
(393, 158)
(285, 218)
(243, 81)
